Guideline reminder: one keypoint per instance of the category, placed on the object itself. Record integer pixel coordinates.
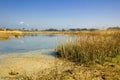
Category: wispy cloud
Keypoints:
(21, 22)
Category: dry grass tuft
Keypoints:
(92, 47)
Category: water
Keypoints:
(31, 43)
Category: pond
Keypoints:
(31, 42)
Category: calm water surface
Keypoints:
(30, 43)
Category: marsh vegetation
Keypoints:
(91, 55)
(91, 47)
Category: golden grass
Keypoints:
(5, 35)
(95, 46)
(11, 32)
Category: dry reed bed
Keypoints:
(91, 47)
(4, 35)
(11, 32)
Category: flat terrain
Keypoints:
(28, 64)
(40, 65)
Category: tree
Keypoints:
(113, 28)
(63, 30)
(51, 29)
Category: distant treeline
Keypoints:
(71, 29)
(7, 29)
(53, 29)
(111, 28)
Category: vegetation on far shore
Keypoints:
(24, 31)
(53, 29)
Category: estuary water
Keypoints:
(15, 44)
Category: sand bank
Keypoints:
(31, 62)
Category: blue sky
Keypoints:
(43, 14)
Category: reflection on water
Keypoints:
(4, 37)
(7, 37)
(17, 43)
(51, 35)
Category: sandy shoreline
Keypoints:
(28, 62)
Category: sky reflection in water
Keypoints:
(30, 43)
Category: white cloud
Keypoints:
(21, 22)
(24, 24)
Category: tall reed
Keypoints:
(91, 47)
